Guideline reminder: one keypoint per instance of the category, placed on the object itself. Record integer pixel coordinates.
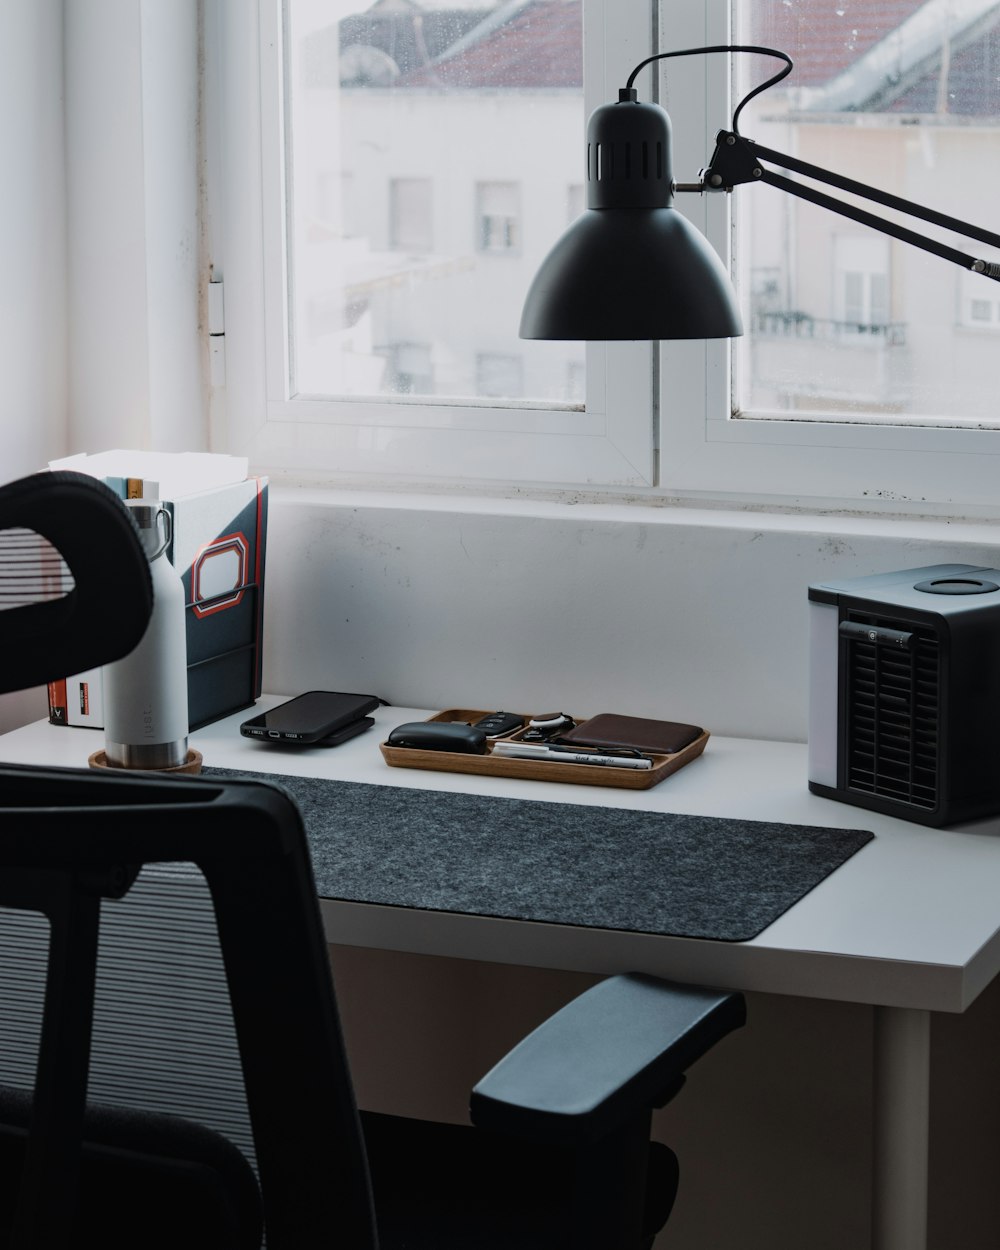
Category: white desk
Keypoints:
(910, 924)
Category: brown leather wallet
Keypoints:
(659, 737)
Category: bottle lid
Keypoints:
(144, 512)
(147, 513)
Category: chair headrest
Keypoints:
(75, 585)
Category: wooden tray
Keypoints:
(490, 765)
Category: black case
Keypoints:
(439, 736)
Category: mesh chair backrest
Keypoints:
(250, 910)
(163, 1036)
(75, 586)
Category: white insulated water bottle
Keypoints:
(145, 693)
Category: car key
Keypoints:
(496, 724)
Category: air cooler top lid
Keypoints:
(941, 588)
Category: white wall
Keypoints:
(695, 615)
(133, 167)
(32, 238)
(32, 258)
(100, 241)
(99, 229)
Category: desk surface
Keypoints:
(912, 920)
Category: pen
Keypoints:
(526, 750)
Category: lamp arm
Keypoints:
(953, 254)
(735, 161)
(880, 197)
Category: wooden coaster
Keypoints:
(190, 766)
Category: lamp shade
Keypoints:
(631, 266)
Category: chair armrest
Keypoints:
(619, 1049)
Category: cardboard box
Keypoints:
(218, 546)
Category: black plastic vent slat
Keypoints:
(892, 709)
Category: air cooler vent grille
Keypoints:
(892, 715)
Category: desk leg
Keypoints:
(901, 1137)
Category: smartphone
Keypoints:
(310, 717)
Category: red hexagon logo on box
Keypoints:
(219, 574)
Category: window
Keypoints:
(861, 283)
(443, 158)
(855, 379)
(497, 216)
(412, 169)
(411, 224)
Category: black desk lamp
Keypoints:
(631, 267)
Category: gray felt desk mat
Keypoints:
(599, 867)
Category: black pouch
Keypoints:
(439, 736)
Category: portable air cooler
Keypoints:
(904, 700)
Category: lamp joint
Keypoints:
(732, 163)
(989, 269)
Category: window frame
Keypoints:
(709, 450)
(609, 444)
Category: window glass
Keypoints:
(498, 375)
(429, 148)
(843, 322)
(979, 308)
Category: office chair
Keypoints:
(172, 1066)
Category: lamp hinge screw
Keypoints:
(730, 139)
(757, 171)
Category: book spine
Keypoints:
(57, 702)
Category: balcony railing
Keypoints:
(800, 325)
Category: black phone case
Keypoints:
(359, 706)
